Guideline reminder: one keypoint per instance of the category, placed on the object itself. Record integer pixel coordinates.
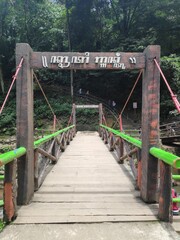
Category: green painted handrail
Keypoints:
(1, 203)
(1, 177)
(124, 136)
(48, 137)
(165, 156)
(176, 200)
(11, 155)
(176, 177)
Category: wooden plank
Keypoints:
(55, 206)
(87, 185)
(95, 60)
(103, 198)
(83, 219)
(176, 223)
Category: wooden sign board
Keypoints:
(87, 106)
(87, 60)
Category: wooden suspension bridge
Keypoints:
(87, 184)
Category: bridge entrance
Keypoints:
(88, 61)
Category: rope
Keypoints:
(104, 119)
(131, 92)
(173, 96)
(55, 119)
(14, 78)
(120, 115)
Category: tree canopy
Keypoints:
(92, 25)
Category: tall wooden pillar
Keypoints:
(150, 123)
(25, 134)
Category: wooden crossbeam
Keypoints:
(46, 154)
(134, 150)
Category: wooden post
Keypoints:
(150, 123)
(100, 119)
(165, 196)
(111, 142)
(74, 116)
(139, 170)
(10, 191)
(100, 114)
(121, 151)
(36, 174)
(25, 133)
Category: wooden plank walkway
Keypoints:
(86, 185)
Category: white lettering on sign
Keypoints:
(65, 61)
(44, 62)
(103, 65)
(81, 59)
(61, 61)
(103, 61)
(119, 65)
(132, 60)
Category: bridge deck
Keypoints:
(86, 185)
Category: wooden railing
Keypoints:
(46, 150)
(115, 139)
(170, 129)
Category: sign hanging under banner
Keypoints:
(134, 105)
(87, 60)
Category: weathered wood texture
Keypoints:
(150, 123)
(24, 119)
(70, 60)
(10, 191)
(165, 198)
(86, 185)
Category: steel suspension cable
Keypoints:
(173, 96)
(14, 78)
(55, 119)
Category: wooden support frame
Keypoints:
(88, 61)
(24, 122)
(129, 154)
(150, 123)
(46, 154)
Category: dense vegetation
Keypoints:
(92, 25)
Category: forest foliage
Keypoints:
(93, 25)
